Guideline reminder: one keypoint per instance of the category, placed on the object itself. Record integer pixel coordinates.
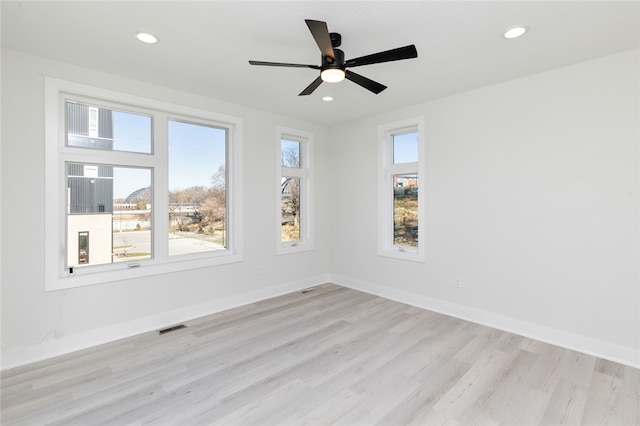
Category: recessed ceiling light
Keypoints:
(515, 32)
(327, 98)
(146, 38)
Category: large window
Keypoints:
(149, 187)
(401, 190)
(197, 188)
(294, 191)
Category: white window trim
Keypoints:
(386, 171)
(306, 197)
(56, 277)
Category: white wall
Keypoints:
(532, 199)
(36, 324)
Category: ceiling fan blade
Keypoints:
(281, 64)
(368, 84)
(310, 88)
(406, 52)
(320, 33)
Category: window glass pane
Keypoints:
(108, 211)
(290, 153)
(290, 208)
(105, 129)
(405, 148)
(83, 248)
(405, 210)
(197, 188)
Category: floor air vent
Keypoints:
(174, 328)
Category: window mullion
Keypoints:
(109, 158)
(293, 171)
(160, 178)
(406, 168)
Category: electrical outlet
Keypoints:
(261, 269)
(457, 282)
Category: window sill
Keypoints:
(395, 253)
(144, 268)
(294, 248)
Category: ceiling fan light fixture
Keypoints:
(332, 75)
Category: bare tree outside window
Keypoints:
(290, 192)
(200, 209)
(197, 181)
(290, 209)
(290, 154)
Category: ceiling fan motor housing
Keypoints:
(329, 62)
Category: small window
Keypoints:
(294, 191)
(83, 248)
(93, 122)
(401, 193)
(405, 148)
(290, 153)
(290, 209)
(405, 210)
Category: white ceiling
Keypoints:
(205, 45)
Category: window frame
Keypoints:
(386, 171)
(57, 154)
(305, 173)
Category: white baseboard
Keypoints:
(55, 347)
(610, 351)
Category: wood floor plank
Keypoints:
(473, 385)
(327, 411)
(328, 356)
(566, 405)
(607, 403)
(500, 392)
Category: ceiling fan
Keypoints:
(333, 67)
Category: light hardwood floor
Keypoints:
(329, 356)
